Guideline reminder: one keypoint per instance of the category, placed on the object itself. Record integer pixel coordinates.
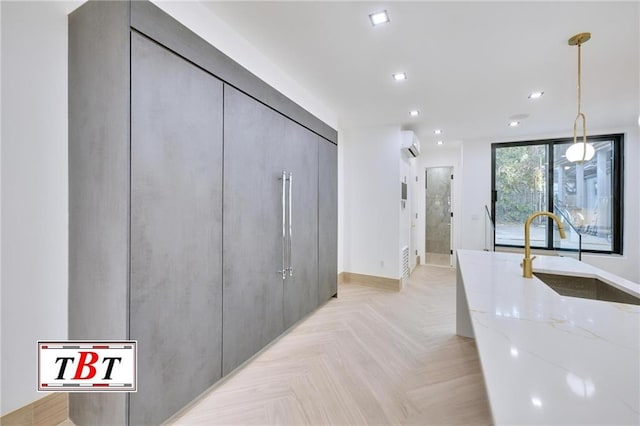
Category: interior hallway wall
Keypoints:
(0, 213)
(340, 202)
(407, 173)
(371, 200)
(34, 189)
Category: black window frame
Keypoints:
(617, 169)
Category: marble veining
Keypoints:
(547, 358)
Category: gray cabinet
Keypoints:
(253, 293)
(176, 230)
(99, 191)
(270, 224)
(176, 155)
(301, 162)
(327, 220)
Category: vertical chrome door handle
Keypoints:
(290, 220)
(283, 271)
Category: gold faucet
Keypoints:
(527, 262)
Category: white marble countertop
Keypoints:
(549, 359)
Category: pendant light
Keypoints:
(579, 152)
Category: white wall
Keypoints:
(202, 21)
(340, 202)
(407, 214)
(476, 193)
(34, 189)
(439, 158)
(0, 215)
(371, 200)
(34, 179)
(407, 173)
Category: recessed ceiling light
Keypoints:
(437, 132)
(440, 142)
(535, 95)
(378, 18)
(514, 123)
(414, 113)
(399, 76)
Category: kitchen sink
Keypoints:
(586, 288)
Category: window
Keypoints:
(535, 176)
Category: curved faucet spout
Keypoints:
(527, 262)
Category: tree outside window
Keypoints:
(536, 176)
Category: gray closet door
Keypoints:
(176, 230)
(253, 299)
(328, 220)
(301, 160)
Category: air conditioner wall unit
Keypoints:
(410, 144)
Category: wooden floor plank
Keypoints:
(369, 357)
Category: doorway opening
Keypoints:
(438, 216)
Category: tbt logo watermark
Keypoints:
(74, 366)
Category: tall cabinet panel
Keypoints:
(253, 227)
(301, 163)
(98, 190)
(176, 230)
(328, 220)
(180, 221)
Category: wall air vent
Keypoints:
(404, 253)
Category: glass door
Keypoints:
(438, 216)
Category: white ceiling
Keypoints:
(470, 65)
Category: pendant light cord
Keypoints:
(579, 78)
(580, 114)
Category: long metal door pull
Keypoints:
(283, 271)
(290, 221)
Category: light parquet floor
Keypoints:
(369, 357)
